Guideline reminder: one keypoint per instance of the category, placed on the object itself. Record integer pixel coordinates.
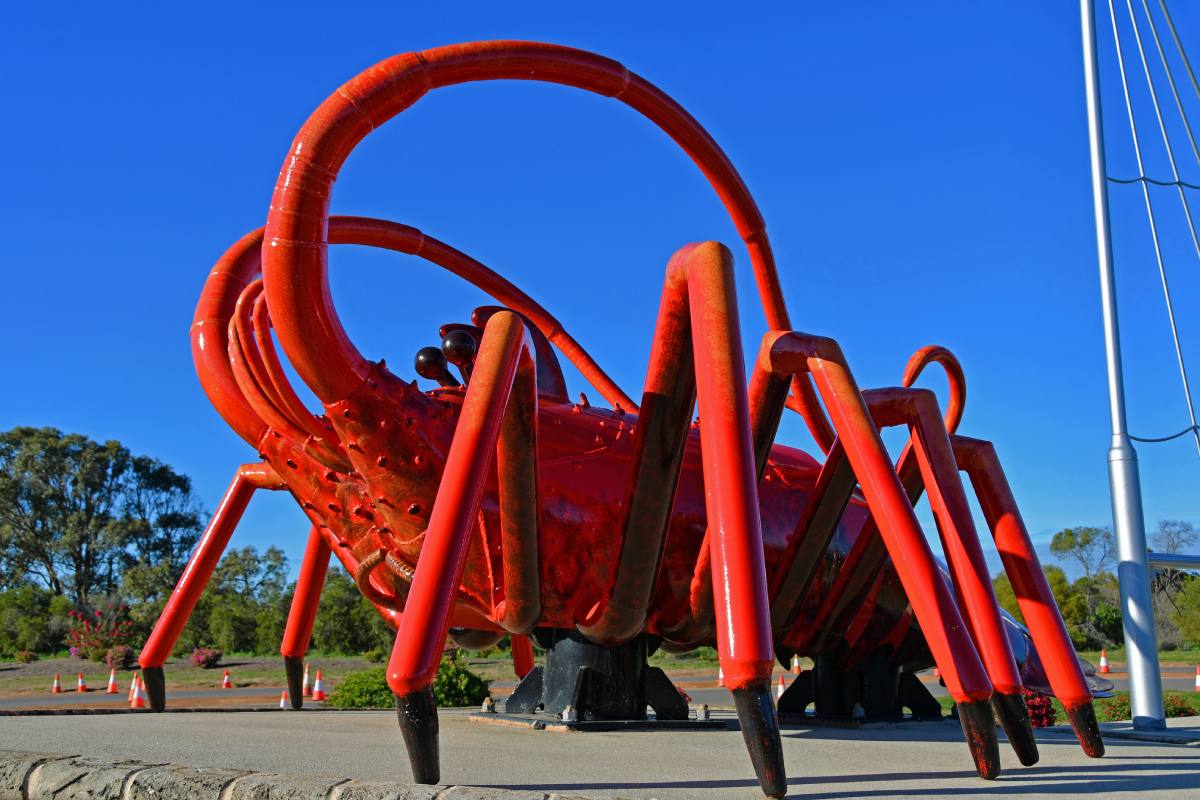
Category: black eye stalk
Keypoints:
(431, 364)
(460, 348)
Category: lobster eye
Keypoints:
(431, 364)
(460, 348)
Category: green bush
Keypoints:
(1116, 708)
(374, 655)
(454, 686)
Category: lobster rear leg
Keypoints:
(303, 614)
(426, 620)
(785, 354)
(917, 408)
(978, 459)
(248, 479)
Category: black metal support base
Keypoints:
(599, 683)
(876, 691)
(417, 713)
(156, 687)
(294, 667)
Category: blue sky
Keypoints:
(922, 168)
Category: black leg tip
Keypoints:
(156, 687)
(294, 667)
(1083, 720)
(979, 726)
(1010, 709)
(417, 713)
(760, 729)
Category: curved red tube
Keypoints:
(954, 375)
(295, 260)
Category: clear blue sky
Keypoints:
(922, 168)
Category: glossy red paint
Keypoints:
(499, 506)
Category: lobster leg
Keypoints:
(426, 620)
(522, 654)
(303, 614)
(786, 353)
(199, 570)
(978, 459)
(935, 458)
(731, 499)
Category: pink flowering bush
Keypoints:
(92, 635)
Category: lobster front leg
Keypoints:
(731, 498)
(303, 614)
(196, 575)
(426, 619)
(786, 353)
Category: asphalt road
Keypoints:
(901, 761)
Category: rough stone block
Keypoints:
(180, 783)
(282, 787)
(81, 778)
(15, 767)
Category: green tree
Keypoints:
(1187, 611)
(75, 512)
(1006, 597)
(1094, 549)
(346, 621)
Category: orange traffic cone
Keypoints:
(57, 687)
(133, 684)
(139, 693)
(283, 703)
(318, 691)
(81, 685)
(936, 673)
(720, 676)
(307, 683)
(226, 683)
(1104, 670)
(1198, 677)
(112, 683)
(780, 689)
(796, 669)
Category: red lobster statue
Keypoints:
(500, 506)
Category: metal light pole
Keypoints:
(1141, 650)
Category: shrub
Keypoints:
(119, 657)
(1112, 709)
(91, 635)
(454, 686)
(374, 655)
(26, 656)
(206, 657)
(363, 689)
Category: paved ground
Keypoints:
(903, 761)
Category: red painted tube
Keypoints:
(522, 655)
(199, 570)
(957, 381)
(936, 610)
(659, 438)
(418, 648)
(918, 409)
(978, 460)
(727, 455)
(311, 581)
(295, 263)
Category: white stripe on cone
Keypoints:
(318, 692)
(226, 683)
(132, 687)
(80, 685)
(720, 676)
(780, 689)
(139, 693)
(1104, 662)
(796, 670)
(56, 688)
(283, 699)
(112, 683)
(307, 683)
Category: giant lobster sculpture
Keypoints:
(497, 506)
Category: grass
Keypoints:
(1189, 656)
(1185, 705)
